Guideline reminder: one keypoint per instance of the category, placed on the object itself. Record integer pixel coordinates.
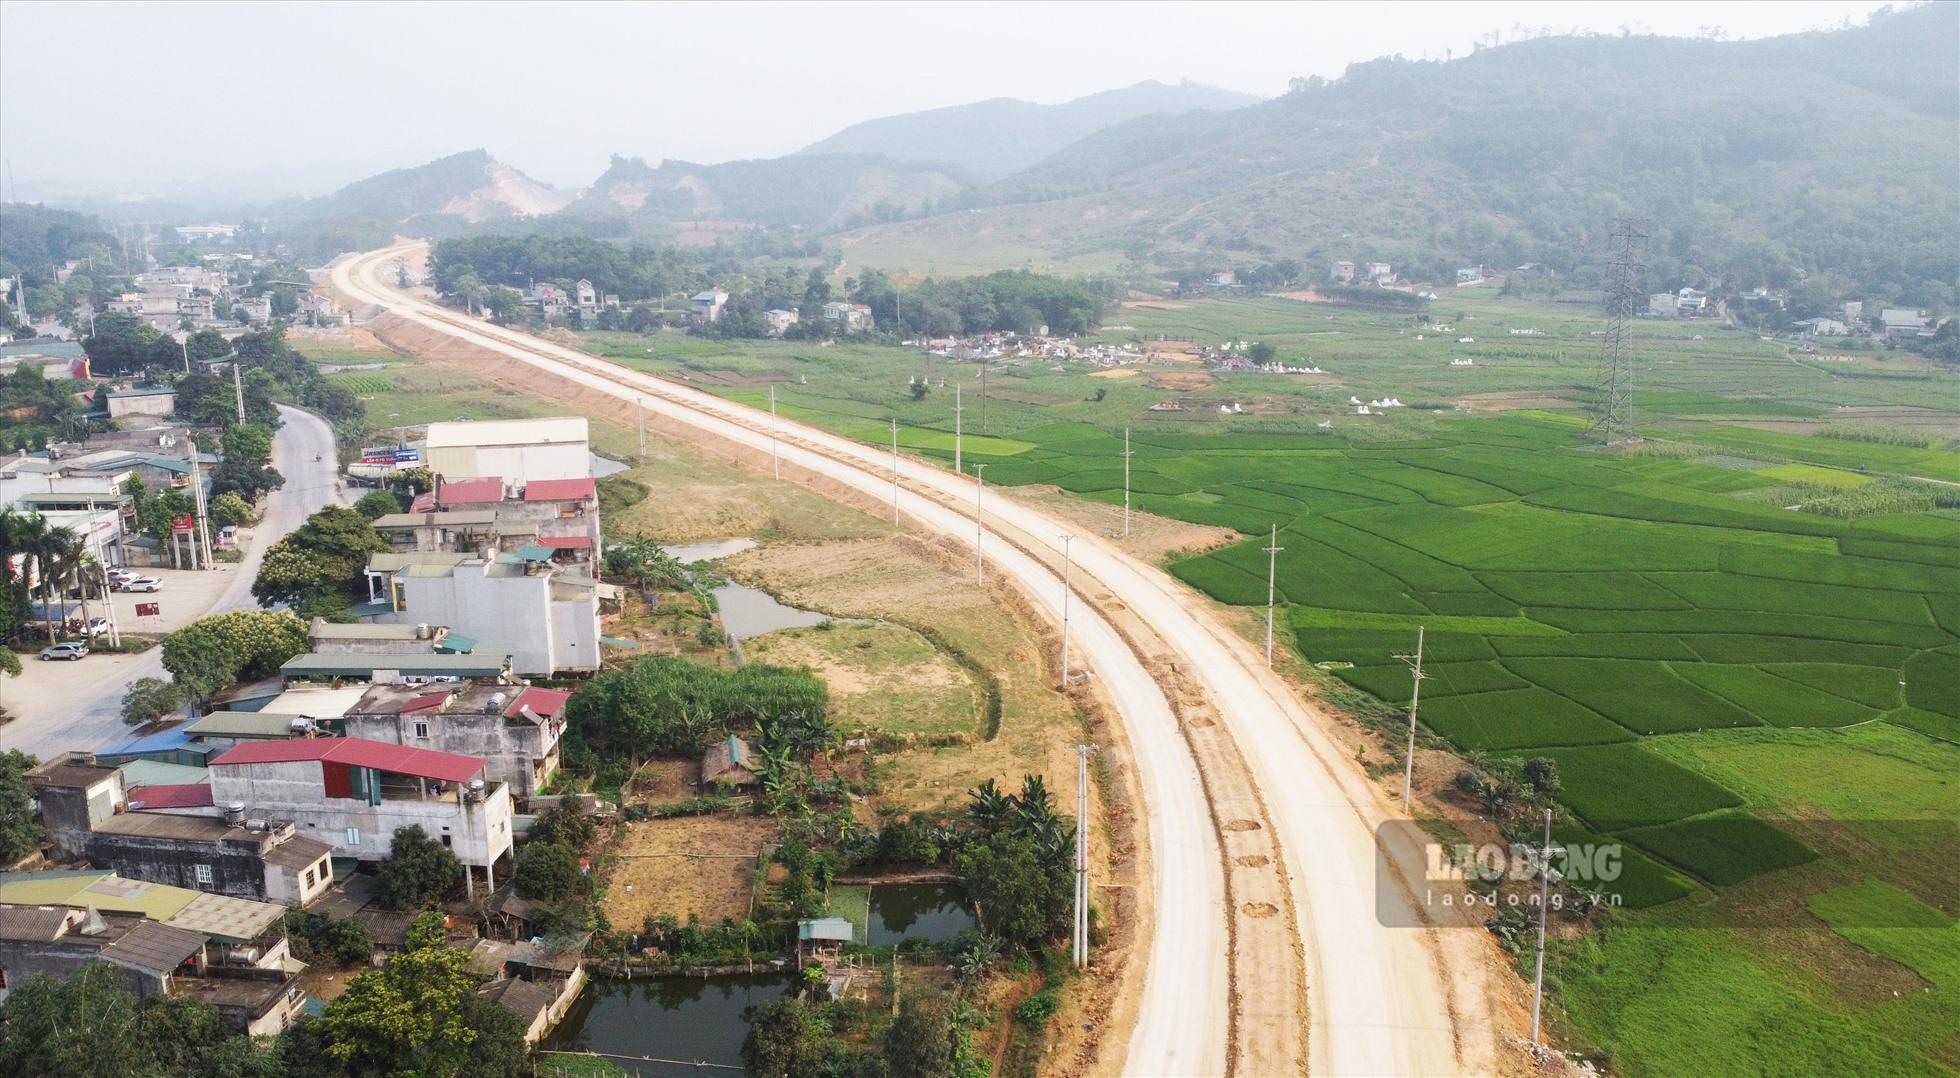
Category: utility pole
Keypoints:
(894, 470)
(775, 461)
(957, 409)
(1544, 885)
(1067, 565)
(1126, 493)
(1415, 697)
(979, 524)
(238, 388)
(983, 396)
(1272, 578)
(203, 519)
(184, 343)
(640, 414)
(108, 600)
(1081, 856)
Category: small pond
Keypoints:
(681, 1018)
(745, 611)
(712, 550)
(605, 466)
(927, 911)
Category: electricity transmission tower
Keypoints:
(1613, 417)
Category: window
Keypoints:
(445, 841)
(309, 877)
(203, 873)
(421, 729)
(353, 836)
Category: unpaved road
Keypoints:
(1382, 1000)
(79, 705)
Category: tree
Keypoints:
(9, 665)
(213, 652)
(376, 504)
(230, 509)
(919, 1042)
(1260, 352)
(419, 872)
(547, 871)
(317, 569)
(315, 936)
(149, 699)
(563, 824)
(429, 929)
(1022, 897)
(19, 833)
(505, 305)
(90, 1024)
(419, 1015)
(788, 1036)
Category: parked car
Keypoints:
(97, 626)
(69, 650)
(143, 583)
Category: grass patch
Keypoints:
(1518, 719)
(1724, 849)
(1775, 700)
(1622, 786)
(1644, 697)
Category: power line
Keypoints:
(1126, 490)
(979, 524)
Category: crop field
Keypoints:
(1704, 662)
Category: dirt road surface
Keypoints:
(78, 705)
(1381, 1000)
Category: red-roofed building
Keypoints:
(158, 797)
(484, 490)
(353, 793)
(514, 730)
(562, 490)
(566, 542)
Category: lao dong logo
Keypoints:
(1470, 875)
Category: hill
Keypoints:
(991, 140)
(435, 199)
(809, 191)
(1829, 156)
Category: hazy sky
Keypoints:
(276, 97)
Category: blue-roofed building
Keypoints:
(174, 745)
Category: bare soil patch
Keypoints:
(696, 865)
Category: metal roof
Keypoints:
(317, 665)
(453, 518)
(242, 724)
(476, 490)
(477, 433)
(240, 919)
(826, 928)
(157, 773)
(359, 752)
(103, 890)
(566, 542)
(455, 643)
(532, 553)
(546, 703)
(154, 947)
(158, 796)
(560, 490)
(322, 629)
(31, 923)
(314, 702)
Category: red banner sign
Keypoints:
(182, 524)
(149, 610)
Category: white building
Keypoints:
(547, 618)
(352, 794)
(514, 729)
(519, 450)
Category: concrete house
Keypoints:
(547, 617)
(514, 729)
(518, 450)
(780, 320)
(1899, 323)
(172, 835)
(124, 403)
(352, 793)
(1342, 272)
(706, 307)
(849, 317)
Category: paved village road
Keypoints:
(77, 705)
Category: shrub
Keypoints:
(548, 871)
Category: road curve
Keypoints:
(90, 716)
(1183, 1021)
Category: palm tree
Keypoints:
(67, 558)
(28, 535)
(989, 807)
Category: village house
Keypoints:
(514, 729)
(489, 660)
(779, 320)
(849, 317)
(1342, 272)
(1380, 273)
(226, 952)
(586, 299)
(353, 793)
(1897, 323)
(172, 834)
(1661, 305)
(124, 403)
(548, 617)
(705, 308)
(1223, 279)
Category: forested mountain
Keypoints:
(34, 239)
(991, 140)
(1826, 156)
(810, 191)
(433, 199)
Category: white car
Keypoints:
(96, 626)
(69, 650)
(142, 583)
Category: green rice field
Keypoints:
(1714, 666)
